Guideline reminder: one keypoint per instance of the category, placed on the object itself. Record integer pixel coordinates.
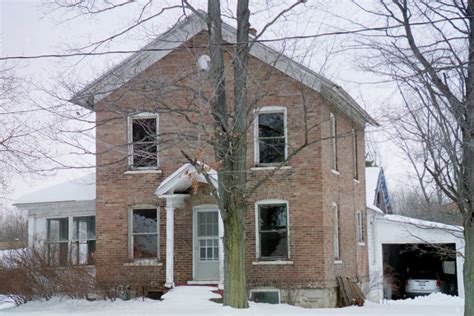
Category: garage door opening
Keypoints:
(408, 266)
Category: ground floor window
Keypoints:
(144, 233)
(272, 230)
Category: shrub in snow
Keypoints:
(26, 275)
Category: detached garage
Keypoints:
(403, 248)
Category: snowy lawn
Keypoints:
(194, 300)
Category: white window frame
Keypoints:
(257, 229)
(262, 110)
(130, 118)
(355, 154)
(78, 241)
(70, 239)
(335, 233)
(67, 241)
(360, 228)
(130, 233)
(333, 136)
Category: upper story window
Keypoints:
(270, 135)
(143, 141)
(272, 230)
(355, 154)
(333, 136)
(144, 233)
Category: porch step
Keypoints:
(203, 283)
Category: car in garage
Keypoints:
(422, 283)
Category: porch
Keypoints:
(207, 228)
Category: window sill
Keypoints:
(276, 262)
(263, 168)
(362, 244)
(143, 171)
(356, 181)
(335, 172)
(144, 262)
(337, 261)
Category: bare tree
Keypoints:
(212, 100)
(427, 47)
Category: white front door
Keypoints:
(206, 244)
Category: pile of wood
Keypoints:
(349, 292)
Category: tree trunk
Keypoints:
(468, 181)
(469, 268)
(231, 148)
(235, 287)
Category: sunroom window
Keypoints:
(273, 231)
(57, 242)
(83, 240)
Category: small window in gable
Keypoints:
(271, 138)
(143, 140)
(272, 226)
(144, 234)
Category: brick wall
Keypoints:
(308, 184)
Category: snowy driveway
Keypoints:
(187, 300)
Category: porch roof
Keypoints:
(182, 179)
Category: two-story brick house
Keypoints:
(156, 227)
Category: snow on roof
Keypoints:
(189, 27)
(421, 223)
(372, 175)
(80, 189)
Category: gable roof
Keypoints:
(185, 30)
(182, 178)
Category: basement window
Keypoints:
(270, 142)
(265, 296)
(143, 141)
(272, 230)
(144, 234)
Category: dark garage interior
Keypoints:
(400, 261)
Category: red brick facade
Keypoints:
(308, 184)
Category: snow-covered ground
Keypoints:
(194, 300)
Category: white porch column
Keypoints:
(173, 201)
(221, 252)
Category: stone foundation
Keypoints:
(310, 298)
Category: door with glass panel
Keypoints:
(206, 244)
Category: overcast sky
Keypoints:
(28, 27)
